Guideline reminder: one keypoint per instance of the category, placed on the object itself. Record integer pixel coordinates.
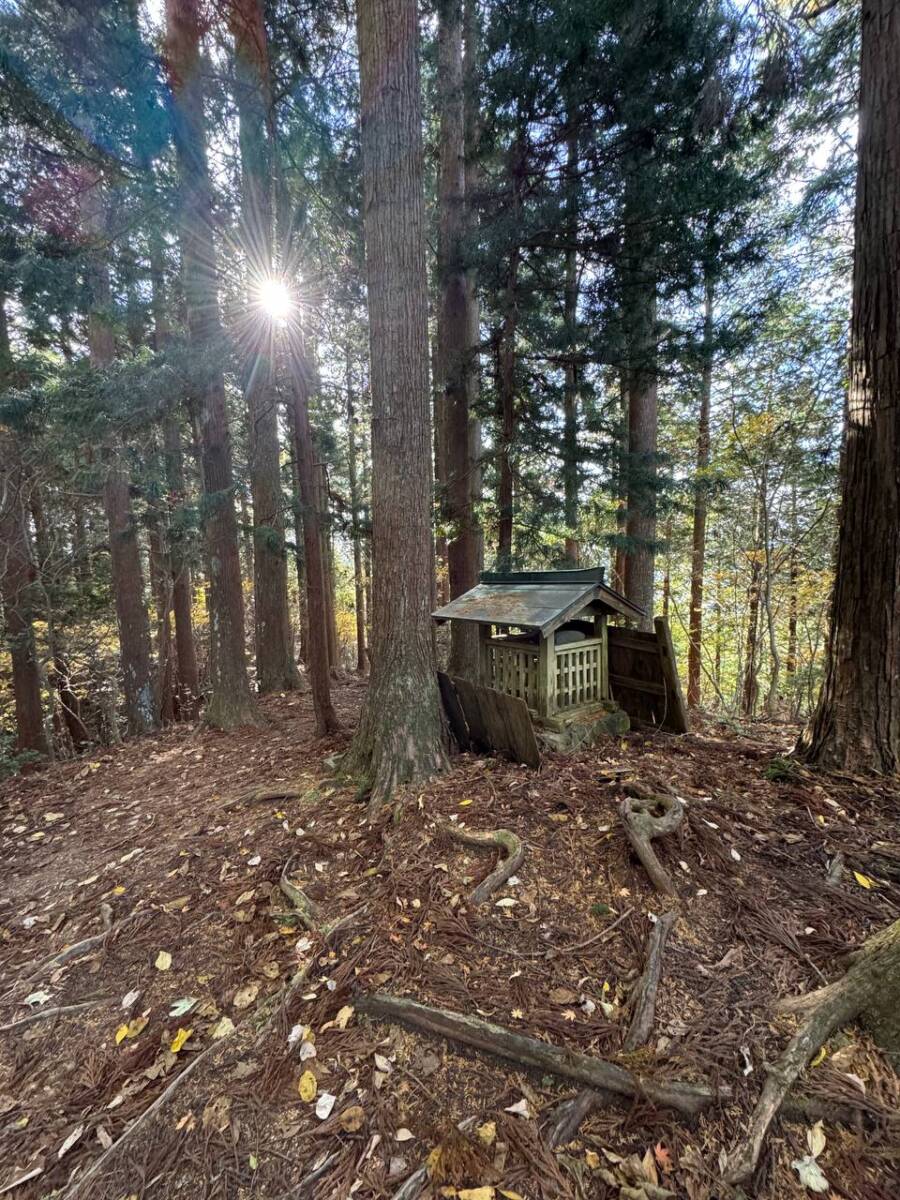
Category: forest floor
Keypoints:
(166, 833)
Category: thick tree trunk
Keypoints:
(17, 574)
(454, 327)
(135, 660)
(359, 579)
(619, 559)
(401, 735)
(230, 702)
(701, 504)
(316, 645)
(570, 460)
(187, 686)
(506, 415)
(856, 725)
(276, 670)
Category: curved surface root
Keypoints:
(643, 823)
(504, 839)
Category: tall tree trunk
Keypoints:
(276, 670)
(230, 702)
(161, 590)
(506, 415)
(701, 503)
(790, 663)
(621, 461)
(472, 121)
(750, 686)
(856, 725)
(17, 575)
(135, 659)
(570, 460)
(401, 736)
(359, 579)
(453, 332)
(316, 645)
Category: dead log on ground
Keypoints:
(688, 1098)
(643, 823)
(870, 990)
(503, 839)
(306, 910)
(644, 997)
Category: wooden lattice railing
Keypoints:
(511, 668)
(580, 673)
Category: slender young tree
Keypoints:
(359, 578)
(276, 670)
(230, 702)
(401, 734)
(856, 725)
(701, 503)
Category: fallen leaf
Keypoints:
(404, 1135)
(70, 1141)
(864, 882)
(307, 1087)
(179, 1039)
(163, 960)
(217, 1113)
(245, 995)
(352, 1119)
(324, 1105)
(132, 1029)
(486, 1133)
(810, 1174)
(562, 995)
(479, 1193)
(520, 1108)
(592, 1158)
(663, 1157)
(815, 1139)
(36, 999)
(820, 1057)
(506, 902)
(222, 1028)
(129, 998)
(342, 1020)
(382, 1064)
(182, 1006)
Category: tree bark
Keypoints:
(135, 659)
(454, 328)
(750, 685)
(230, 702)
(316, 646)
(276, 670)
(401, 736)
(570, 461)
(856, 725)
(359, 579)
(17, 575)
(506, 415)
(701, 503)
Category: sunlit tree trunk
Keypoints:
(401, 736)
(750, 684)
(856, 725)
(359, 580)
(701, 504)
(276, 670)
(230, 702)
(316, 646)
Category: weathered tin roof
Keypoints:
(535, 600)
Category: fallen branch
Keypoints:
(871, 990)
(643, 824)
(689, 1098)
(505, 840)
(79, 949)
(42, 1014)
(644, 997)
(76, 1187)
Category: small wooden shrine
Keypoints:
(544, 637)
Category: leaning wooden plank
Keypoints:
(468, 698)
(520, 739)
(688, 1098)
(676, 709)
(452, 707)
(638, 685)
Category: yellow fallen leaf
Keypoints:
(121, 1034)
(132, 1029)
(479, 1193)
(820, 1057)
(352, 1119)
(464, 804)
(307, 1087)
(432, 1162)
(510, 1195)
(118, 890)
(342, 1020)
(592, 1158)
(863, 880)
(487, 1133)
(179, 1039)
(820, 820)
(163, 960)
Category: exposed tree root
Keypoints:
(307, 910)
(505, 840)
(568, 1117)
(643, 823)
(870, 990)
(77, 949)
(76, 1188)
(262, 795)
(43, 1014)
(644, 996)
(689, 1098)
